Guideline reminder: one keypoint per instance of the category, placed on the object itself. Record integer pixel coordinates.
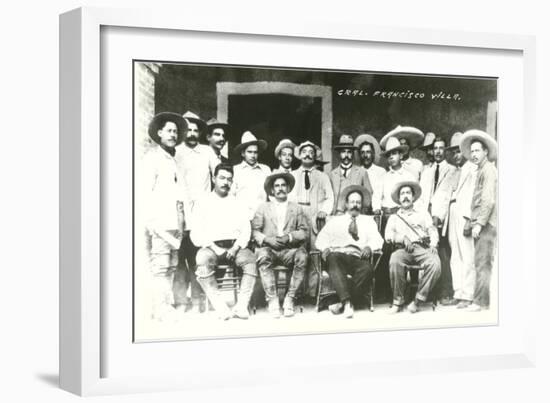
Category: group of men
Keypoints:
(203, 212)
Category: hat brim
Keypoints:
(367, 198)
(415, 186)
(367, 138)
(344, 146)
(284, 145)
(469, 138)
(298, 149)
(223, 126)
(401, 149)
(262, 145)
(268, 184)
(413, 135)
(160, 119)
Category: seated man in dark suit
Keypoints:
(280, 230)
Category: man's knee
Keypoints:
(246, 260)
(397, 259)
(206, 262)
(264, 256)
(301, 258)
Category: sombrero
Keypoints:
(455, 141)
(355, 188)
(160, 119)
(428, 141)
(304, 144)
(248, 139)
(345, 142)
(394, 144)
(415, 186)
(194, 118)
(472, 135)
(268, 184)
(413, 135)
(215, 124)
(367, 138)
(285, 143)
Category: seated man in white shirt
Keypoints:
(280, 229)
(412, 232)
(222, 231)
(347, 242)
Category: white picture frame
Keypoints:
(84, 347)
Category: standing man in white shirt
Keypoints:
(436, 184)
(460, 208)
(280, 230)
(427, 147)
(412, 138)
(284, 152)
(369, 154)
(346, 173)
(196, 164)
(248, 184)
(347, 242)
(163, 193)
(413, 235)
(223, 236)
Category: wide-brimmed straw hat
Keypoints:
(345, 142)
(414, 136)
(355, 188)
(215, 124)
(194, 118)
(367, 138)
(477, 135)
(428, 142)
(248, 139)
(160, 119)
(415, 186)
(284, 143)
(394, 144)
(304, 144)
(455, 141)
(268, 184)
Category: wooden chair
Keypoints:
(228, 279)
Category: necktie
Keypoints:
(307, 182)
(345, 172)
(436, 178)
(353, 228)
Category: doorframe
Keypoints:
(225, 89)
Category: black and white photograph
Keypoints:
(275, 200)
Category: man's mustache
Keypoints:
(406, 199)
(354, 208)
(307, 157)
(192, 137)
(280, 192)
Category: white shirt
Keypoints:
(414, 166)
(160, 189)
(376, 178)
(197, 166)
(391, 178)
(421, 221)
(220, 218)
(335, 235)
(280, 211)
(248, 185)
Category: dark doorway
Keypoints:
(273, 117)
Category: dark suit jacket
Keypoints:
(264, 223)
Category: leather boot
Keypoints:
(245, 293)
(210, 287)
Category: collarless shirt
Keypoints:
(335, 235)
(420, 221)
(248, 185)
(280, 211)
(220, 218)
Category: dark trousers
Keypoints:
(184, 276)
(484, 256)
(445, 285)
(339, 266)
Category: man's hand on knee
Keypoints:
(366, 253)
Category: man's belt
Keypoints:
(423, 242)
(390, 210)
(304, 203)
(225, 243)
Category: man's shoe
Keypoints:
(463, 304)
(447, 301)
(274, 308)
(335, 309)
(288, 307)
(240, 312)
(348, 310)
(412, 307)
(394, 309)
(473, 308)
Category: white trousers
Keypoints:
(462, 257)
